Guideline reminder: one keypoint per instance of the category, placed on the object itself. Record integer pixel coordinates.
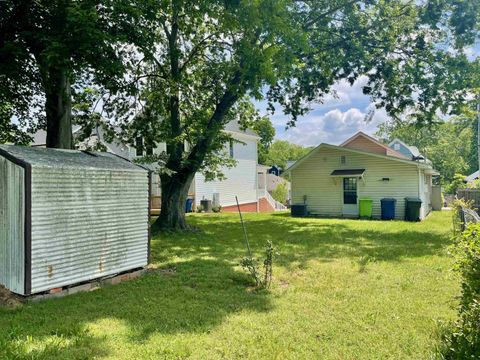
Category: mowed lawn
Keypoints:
(343, 289)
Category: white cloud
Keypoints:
(342, 114)
(333, 127)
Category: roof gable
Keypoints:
(363, 142)
(328, 146)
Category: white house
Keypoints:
(246, 180)
(331, 179)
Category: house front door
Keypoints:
(350, 207)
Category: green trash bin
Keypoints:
(412, 208)
(365, 208)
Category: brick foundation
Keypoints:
(248, 207)
(263, 206)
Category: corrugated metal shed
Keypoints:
(69, 216)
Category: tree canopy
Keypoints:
(282, 151)
(51, 50)
(450, 144)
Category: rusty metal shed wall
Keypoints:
(12, 222)
(86, 224)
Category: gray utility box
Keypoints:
(299, 210)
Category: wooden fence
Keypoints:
(470, 195)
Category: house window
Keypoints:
(231, 148)
(396, 146)
(349, 190)
(139, 146)
(343, 160)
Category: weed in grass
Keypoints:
(362, 263)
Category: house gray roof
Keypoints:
(64, 159)
(234, 126)
(473, 176)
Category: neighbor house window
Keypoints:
(343, 160)
(139, 146)
(396, 146)
(349, 190)
(231, 148)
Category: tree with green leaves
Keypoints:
(282, 151)
(212, 55)
(264, 128)
(451, 145)
(49, 50)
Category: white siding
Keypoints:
(241, 180)
(425, 193)
(325, 194)
(12, 221)
(87, 224)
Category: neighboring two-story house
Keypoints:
(246, 180)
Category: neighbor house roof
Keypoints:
(355, 151)
(388, 150)
(413, 149)
(234, 127)
(473, 176)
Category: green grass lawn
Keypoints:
(343, 289)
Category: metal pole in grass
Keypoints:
(244, 228)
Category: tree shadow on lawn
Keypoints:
(301, 240)
(194, 298)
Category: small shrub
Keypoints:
(458, 224)
(363, 261)
(199, 208)
(458, 182)
(251, 265)
(280, 193)
(463, 341)
(217, 208)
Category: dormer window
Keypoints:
(396, 146)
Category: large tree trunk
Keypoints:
(58, 109)
(174, 195)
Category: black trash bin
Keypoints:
(388, 208)
(412, 208)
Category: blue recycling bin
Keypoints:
(388, 208)
(188, 205)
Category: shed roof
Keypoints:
(64, 159)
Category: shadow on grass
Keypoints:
(301, 240)
(194, 298)
(204, 285)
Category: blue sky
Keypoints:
(337, 118)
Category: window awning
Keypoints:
(348, 173)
